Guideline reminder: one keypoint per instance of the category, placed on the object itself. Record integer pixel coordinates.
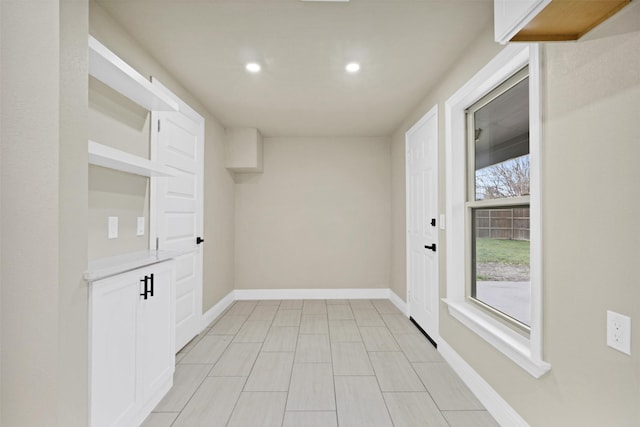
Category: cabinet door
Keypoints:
(114, 310)
(156, 323)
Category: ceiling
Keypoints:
(404, 48)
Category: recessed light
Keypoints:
(253, 67)
(352, 67)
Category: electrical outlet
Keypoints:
(112, 227)
(140, 226)
(619, 332)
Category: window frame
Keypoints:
(524, 349)
(472, 204)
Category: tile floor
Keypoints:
(315, 363)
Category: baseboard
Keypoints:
(252, 294)
(504, 414)
(397, 301)
(216, 310)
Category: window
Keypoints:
(494, 239)
(498, 190)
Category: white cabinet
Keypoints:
(131, 344)
(510, 16)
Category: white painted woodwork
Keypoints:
(522, 350)
(510, 16)
(131, 340)
(107, 67)
(112, 158)
(422, 208)
(244, 150)
(177, 208)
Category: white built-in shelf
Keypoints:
(111, 266)
(107, 67)
(109, 157)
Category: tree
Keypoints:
(506, 179)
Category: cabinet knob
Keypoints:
(199, 240)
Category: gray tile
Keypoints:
(359, 304)
(259, 409)
(228, 325)
(415, 409)
(378, 339)
(360, 403)
(339, 312)
(236, 361)
(281, 338)
(253, 331)
(314, 307)
(446, 388)
(314, 324)
(344, 331)
(394, 372)
(189, 346)
(271, 372)
(186, 380)
(310, 419)
(350, 358)
(263, 312)
(242, 308)
(291, 304)
(367, 317)
(311, 388)
(399, 324)
(287, 318)
(470, 418)
(313, 349)
(417, 348)
(275, 302)
(160, 419)
(212, 404)
(208, 350)
(385, 306)
(337, 302)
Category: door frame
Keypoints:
(435, 295)
(191, 114)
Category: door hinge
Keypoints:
(158, 125)
(157, 243)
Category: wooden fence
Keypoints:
(511, 224)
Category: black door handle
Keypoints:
(199, 240)
(433, 222)
(145, 281)
(151, 280)
(432, 247)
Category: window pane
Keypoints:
(501, 277)
(501, 131)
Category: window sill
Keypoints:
(507, 341)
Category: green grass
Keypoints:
(514, 252)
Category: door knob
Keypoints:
(432, 247)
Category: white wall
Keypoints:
(318, 217)
(43, 125)
(591, 246)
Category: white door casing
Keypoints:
(176, 218)
(422, 222)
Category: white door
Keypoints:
(178, 207)
(422, 222)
